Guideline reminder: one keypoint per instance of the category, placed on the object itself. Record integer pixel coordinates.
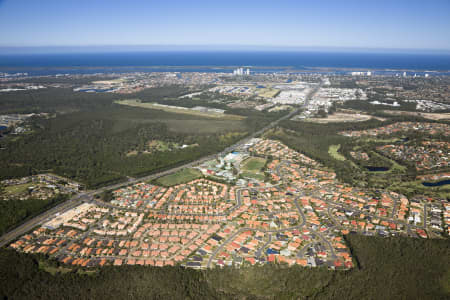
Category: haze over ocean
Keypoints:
(200, 60)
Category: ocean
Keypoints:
(217, 61)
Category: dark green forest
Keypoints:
(50, 100)
(14, 212)
(387, 268)
(90, 136)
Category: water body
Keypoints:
(95, 90)
(377, 169)
(215, 61)
(438, 183)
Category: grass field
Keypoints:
(256, 176)
(254, 164)
(179, 177)
(268, 92)
(252, 167)
(395, 166)
(430, 116)
(18, 189)
(45, 266)
(341, 117)
(127, 117)
(375, 140)
(416, 187)
(333, 151)
(177, 110)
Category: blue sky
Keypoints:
(277, 23)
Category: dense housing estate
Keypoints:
(297, 215)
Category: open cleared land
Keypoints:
(127, 117)
(341, 117)
(177, 110)
(256, 176)
(254, 164)
(333, 151)
(179, 177)
(268, 92)
(252, 167)
(17, 189)
(380, 140)
(394, 167)
(430, 116)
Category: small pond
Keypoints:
(438, 183)
(377, 169)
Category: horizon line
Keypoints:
(55, 49)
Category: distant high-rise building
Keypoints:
(368, 73)
(238, 71)
(404, 74)
(241, 71)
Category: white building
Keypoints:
(241, 71)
